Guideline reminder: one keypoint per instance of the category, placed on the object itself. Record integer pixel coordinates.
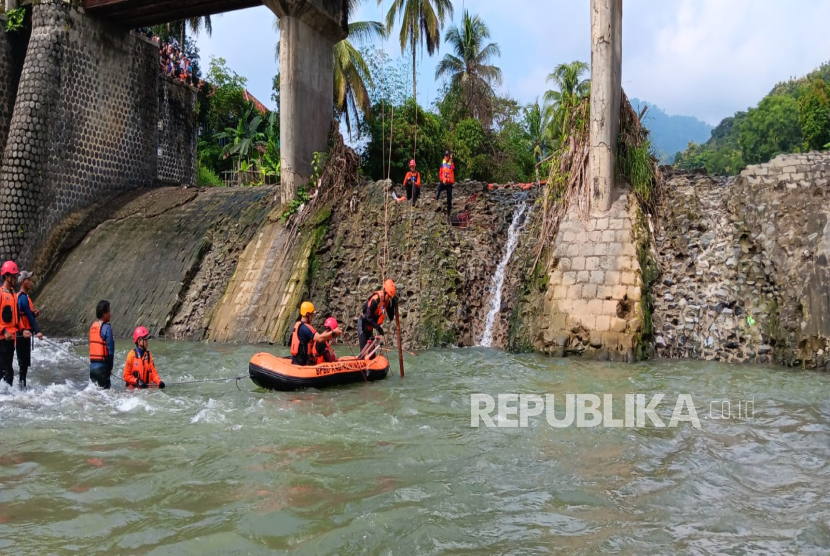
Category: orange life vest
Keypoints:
(310, 348)
(447, 172)
(97, 346)
(24, 320)
(380, 312)
(144, 365)
(8, 312)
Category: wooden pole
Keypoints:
(400, 347)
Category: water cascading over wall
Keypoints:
(85, 127)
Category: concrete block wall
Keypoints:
(8, 86)
(176, 133)
(86, 125)
(593, 300)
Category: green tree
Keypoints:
(814, 114)
(536, 126)
(469, 71)
(352, 75)
(244, 139)
(432, 140)
(421, 22)
(570, 89)
(770, 129)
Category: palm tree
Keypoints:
(352, 74)
(469, 71)
(571, 88)
(537, 129)
(421, 22)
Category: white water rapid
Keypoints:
(498, 277)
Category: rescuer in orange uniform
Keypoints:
(9, 321)
(101, 346)
(28, 323)
(446, 178)
(324, 352)
(140, 370)
(412, 183)
(374, 313)
(305, 338)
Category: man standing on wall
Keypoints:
(446, 177)
(28, 323)
(9, 324)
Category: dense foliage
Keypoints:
(793, 117)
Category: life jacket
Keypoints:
(447, 172)
(8, 312)
(97, 346)
(144, 365)
(380, 312)
(24, 320)
(299, 349)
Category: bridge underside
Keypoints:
(140, 13)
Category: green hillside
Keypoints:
(793, 117)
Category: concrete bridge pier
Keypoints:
(308, 31)
(606, 94)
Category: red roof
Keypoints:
(261, 108)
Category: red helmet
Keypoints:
(9, 267)
(412, 162)
(331, 323)
(139, 333)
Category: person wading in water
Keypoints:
(140, 369)
(28, 323)
(304, 339)
(374, 313)
(9, 321)
(101, 346)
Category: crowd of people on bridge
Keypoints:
(172, 60)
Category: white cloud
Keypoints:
(706, 58)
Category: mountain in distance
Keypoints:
(671, 134)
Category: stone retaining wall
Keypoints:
(85, 127)
(162, 258)
(744, 263)
(177, 128)
(9, 72)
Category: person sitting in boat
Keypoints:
(374, 313)
(304, 339)
(140, 369)
(324, 352)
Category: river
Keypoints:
(394, 467)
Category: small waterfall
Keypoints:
(498, 277)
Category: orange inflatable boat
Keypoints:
(277, 373)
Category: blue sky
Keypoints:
(705, 58)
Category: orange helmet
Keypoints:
(389, 287)
(306, 307)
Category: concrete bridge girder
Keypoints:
(308, 31)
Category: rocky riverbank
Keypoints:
(737, 269)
